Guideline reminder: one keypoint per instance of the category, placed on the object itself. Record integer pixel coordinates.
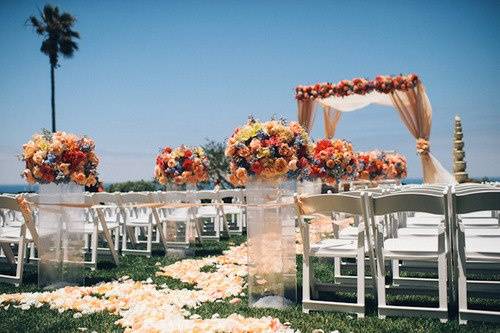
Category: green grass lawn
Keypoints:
(140, 268)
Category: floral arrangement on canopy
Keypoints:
(378, 165)
(382, 83)
(60, 157)
(269, 150)
(334, 160)
(181, 165)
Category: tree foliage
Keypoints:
(219, 164)
(57, 32)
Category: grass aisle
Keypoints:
(140, 268)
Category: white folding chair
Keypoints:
(12, 234)
(233, 215)
(136, 221)
(177, 222)
(98, 224)
(415, 248)
(481, 246)
(326, 204)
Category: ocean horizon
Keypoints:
(20, 188)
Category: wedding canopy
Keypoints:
(405, 93)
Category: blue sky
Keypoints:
(150, 74)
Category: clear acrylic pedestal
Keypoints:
(272, 281)
(61, 231)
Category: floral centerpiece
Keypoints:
(378, 165)
(60, 158)
(396, 166)
(334, 160)
(181, 165)
(268, 150)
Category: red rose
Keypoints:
(47, 173)
(188, 153)
(257, 167)
(187, 164)
(167, 150)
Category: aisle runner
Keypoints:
(146, 307)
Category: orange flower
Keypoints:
(330, 163)
(37, 172)
(91, 181)
(64, 168)
(171, 163)
(244, 152)
(57, 147)
(230, 150)
(29, 176)
(78, 177)
(255, 144)
(281, 165)
(29, 149)
(39, 156)
(241, 173)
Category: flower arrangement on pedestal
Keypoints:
(60, 158)
(268, 150)
(334, 160)
(181, 165)
(378, 165)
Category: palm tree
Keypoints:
(58, 39)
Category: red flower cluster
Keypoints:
(359, 86)
(334, 160)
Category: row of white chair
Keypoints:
(443, 227)
(126, 223)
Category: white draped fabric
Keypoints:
(355, 102)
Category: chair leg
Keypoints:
(20, 260)
(360, 261)
(306, 287)
(337, 263)
(395, 270)
(381, 284)
(149, 240)
(94, 239)
(443, 282)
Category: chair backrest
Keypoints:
(206, 195)
(408, 201)
(105, 197)
(326, 204)
(476, 201)
(135, 197)
(9, 202)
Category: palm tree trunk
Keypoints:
(53, 97)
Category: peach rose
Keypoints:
(244, 152)
(78, 177)
(29, 149)
(57, 147)
(281, 165)
(284, 150)
(330, 163)
(171, 163)
(64, 168)
(241, 173)
(36, 172)
(39, 156)
(29, 176)
(292, 165)
(295, 127)
(255, 144)
(230, 150)
(162, 180)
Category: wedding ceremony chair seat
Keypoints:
(234, 215)
(415, 248)
(325, 205)
(209, 217)
(177, 223)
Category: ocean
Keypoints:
(20, 188)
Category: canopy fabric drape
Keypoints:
(306, 113)
(331, 118)
(413, 106)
